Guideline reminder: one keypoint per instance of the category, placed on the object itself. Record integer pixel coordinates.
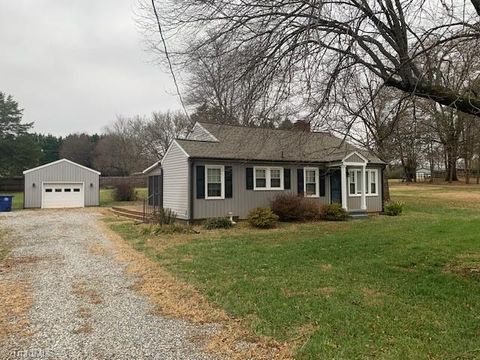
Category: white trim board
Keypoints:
(58, 162)
(151, 167)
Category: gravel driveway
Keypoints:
(83, 303)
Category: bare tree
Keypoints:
(316, 45)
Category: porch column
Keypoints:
(363, 203)
(343, 181)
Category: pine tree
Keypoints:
(11, 118)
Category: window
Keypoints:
(58, 190)
(268, 178)
(215, 182)
(48, 190)
(275, 178)
(311, 182)
(260, 178)
(371, 179)
(355, 182)
(76, 190)
(67, 190)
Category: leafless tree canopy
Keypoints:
(316, 46)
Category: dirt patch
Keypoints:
(372, 297)
(81, 290)
(326, 291)
(466, 265)
(97, 249)
(12, 262)
(15, 301)
(326, 267)
(85, 328)
(175, 298)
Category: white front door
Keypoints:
(62, 195)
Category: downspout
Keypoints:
(383, 187)
(190, 191)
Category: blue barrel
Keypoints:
(6, 203)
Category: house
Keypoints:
(61, 184)
(222, 170)
(423, 174)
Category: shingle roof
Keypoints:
(251, 143)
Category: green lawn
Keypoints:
(106, 198)
(403, 287)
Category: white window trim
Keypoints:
(222, 180)
(268, 184)
(374, 171)
(317, 182)
(357, 176)
(358, 192)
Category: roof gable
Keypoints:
(58, 162)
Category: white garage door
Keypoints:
(62, 195)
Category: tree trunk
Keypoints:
(386, 187)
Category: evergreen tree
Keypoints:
(11, 118)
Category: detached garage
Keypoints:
(61, 184)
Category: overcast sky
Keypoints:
(74, 65)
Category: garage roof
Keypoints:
(58, 162)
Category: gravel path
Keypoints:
(83, 304)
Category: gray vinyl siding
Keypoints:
(175, 181)
(60, 172)
(244, 200)
(374, 203)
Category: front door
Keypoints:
(336, 187)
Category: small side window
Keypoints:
(58, 190)
(76, 190)
(67, 190)
(48, 190)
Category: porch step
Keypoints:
(131, 214)
(356, 215)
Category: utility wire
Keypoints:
(172, 72)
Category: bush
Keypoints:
(393, 208)
(262, 218)
(172, 229)
(124, 192)
(164, 216)
(295, 208)
(217, 223)
(333, 212)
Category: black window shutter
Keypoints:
(300, 181)
(322, 184)
(200, 182)
(249, 173)
(286, 179)
(228, 182)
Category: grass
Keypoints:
(387, 287)
(106, 198)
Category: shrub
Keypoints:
(172, 229)
(393, 208)
(164, 216)
(124, 192)
(217, 223)
(295, 208)
(262, 218)
(333, 212)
